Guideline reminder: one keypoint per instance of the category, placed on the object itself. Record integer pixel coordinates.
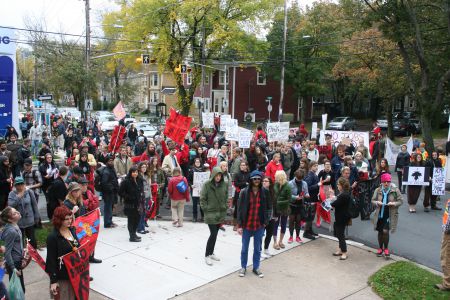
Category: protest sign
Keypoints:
(36, 256)
(278, 131)
(208, 119)
(416, 176)
(223, 122)
(177, 126)
(88, 226)
(353, 137)
(232, 132)
(77, 265)
(199, 179)
(245, 137)
(438, 186)
(314, 130)
(392, 150)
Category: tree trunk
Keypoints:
(427, 132)
(389, 120)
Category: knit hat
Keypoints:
(386, 177)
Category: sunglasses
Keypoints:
(256, 178)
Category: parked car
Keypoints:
(342, 123)
(129, 120)
(382, 123)
(404, 127)
(404, 115)
(149, 129)
(107, 122)
(416, 125)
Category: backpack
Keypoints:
(353, 208)
(182, 186)
(98, 179)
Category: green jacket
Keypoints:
(282, 198)
(214, 198)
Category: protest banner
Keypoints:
(77, 265)
(438, 186)
(223, 122)
(88, 226)
(353, 137)
(232, 132)
(177, 126)
(208, 119)
(117, 137)
(278, 131)
(36, 256)
(416, 176)
(392, 150)
(245, 137)
(199, 179)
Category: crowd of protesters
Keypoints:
(266, 189)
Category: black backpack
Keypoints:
(353, 208)
(98, 179)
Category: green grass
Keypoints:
(41, 234)
(405, 280)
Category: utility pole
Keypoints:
(283, 63)
(88, 51)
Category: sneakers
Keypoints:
(208, 260)
(214, 257)
(242, 272)
(298, 239)
(267, 253)
(309, 236)
(135, 239)
(258, 273)
(175, 223)
(386, 253)
(435, 208)
(380, 252)
(426, 209)
(290, 240)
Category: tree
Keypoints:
(195, 31)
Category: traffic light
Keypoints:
(139, 60)
(178, 69)
(153, 60)
(189, 69)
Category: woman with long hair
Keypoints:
(6, 180)
(49, 171)
(413, 191)
(282, 198)
(88, 171)
(340, 206)
(74, 200)
(382, 167)
(261, 159)
(268, 185)
(158, 180)
(62, 240)
(146, 201)
(131, 189)
(213, 153)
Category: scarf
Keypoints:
(385, 200)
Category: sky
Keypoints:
(66, 16)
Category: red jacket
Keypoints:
(260, 133)
(91, 202)
(173, 191)
(272, 168)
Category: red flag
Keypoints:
(119, 111)
(116, 138)
(88, 226)
(36, 256)
(151, 213)
(177, 126)
(77, 265)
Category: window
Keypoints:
(154, 80)
(154, 97)
(221, 77)
(261, 78)
(189, 78)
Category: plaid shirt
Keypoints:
(32, 180)
(253, 222)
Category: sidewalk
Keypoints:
(170, 263)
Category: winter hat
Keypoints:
(255, 174)
(386, 177)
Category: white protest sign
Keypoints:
(314, 130)
(438, 186)
(324, 121)
(354, 136)
(223, 122)
(245, 137)
(416, 176)
(208, 119)
(278, 131)
(392, 150)
(322, 132)
(199, 179)
(232, 132)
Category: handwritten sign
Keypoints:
(416, 176)
(278, 131)
(353, 137)
(223, 122)
(438, 186)
(199, 179)
(245, 137)
(208, 119)
(232, 132)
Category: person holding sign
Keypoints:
(414, 190)
(60, 241)
(432, 162)
(196, 167)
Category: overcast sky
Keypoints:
(60, 15)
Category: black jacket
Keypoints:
(433, 163)
(58, 246)
(265, 207)
(109, 180)
(22, 154)
(341, 208)
(57, 192)
(241, 179)
(46, 182)
(313, 186)
(402, 160)
(132, 193)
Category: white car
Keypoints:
(107, 122)
(382, 123)
(149, 129)
(342, 123)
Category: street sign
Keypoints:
(88, 104)
(183, 69)
(145, 59)
(269, 107)
(45, 97)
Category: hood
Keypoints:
(214, 172)
(2, 159)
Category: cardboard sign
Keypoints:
(199, 179)
(278, 132)
(245, 137)
(177, 126)
(416, 176)
(77, 265)
(208, 119)
(232, 132)
(438, 186)
(348, 137)
(223, 122)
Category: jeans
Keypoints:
(339, 232)
(257, 240)
(132, 222)
(141, 224)
(108, 199)
(29, 233)
(195, 204)
(35, 147)
(213, 230)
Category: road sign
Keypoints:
(183, 68)
(145, 59)
(45, 97)
(269, 107)
(88, 104)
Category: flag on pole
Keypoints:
(119, 111)
(88, 226)
(36, 256)
(177, 126)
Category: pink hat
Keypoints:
(386, 177)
